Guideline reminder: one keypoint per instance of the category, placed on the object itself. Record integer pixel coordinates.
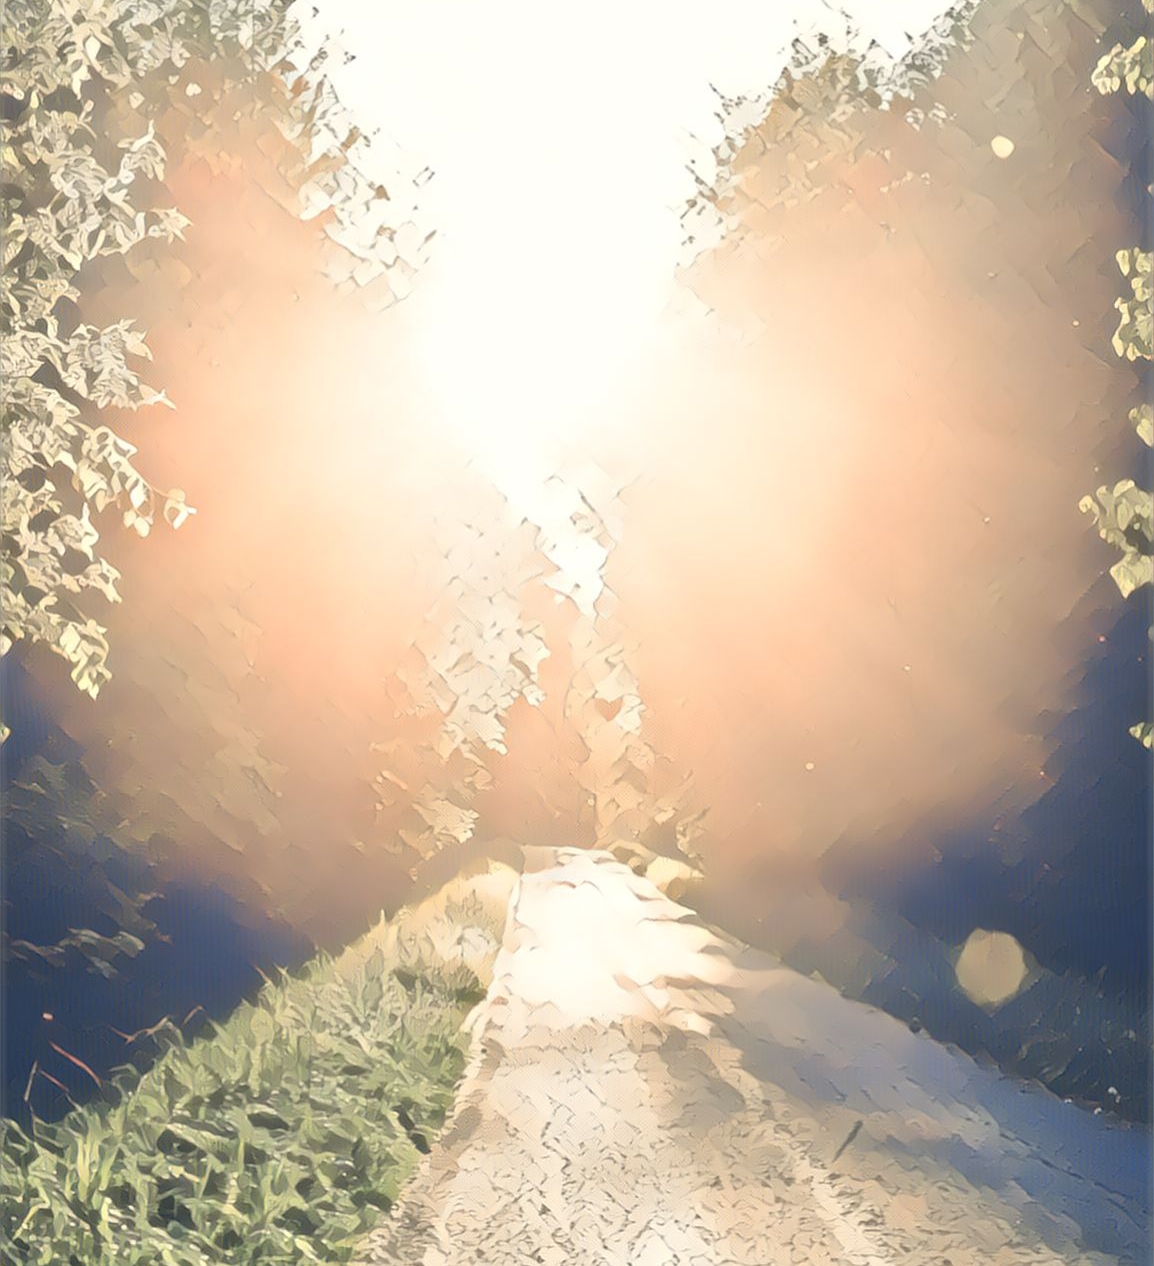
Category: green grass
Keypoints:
(281, 1138)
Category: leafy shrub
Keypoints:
(82, 84)
(1124, 514)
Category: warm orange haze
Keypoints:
(855, 582)
(610, 720)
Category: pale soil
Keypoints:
(609, 1114)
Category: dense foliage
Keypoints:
(281, 1138)
(1124, 514)
(66, 202)
(84, 82)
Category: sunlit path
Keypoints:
(611, 1115)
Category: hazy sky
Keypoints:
(849, 536)
(560, 138)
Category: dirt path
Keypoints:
(609, 1116)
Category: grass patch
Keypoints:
(282, 1137)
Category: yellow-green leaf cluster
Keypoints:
(1125, 518)
(1133, 337)
(1126, 66)
(66, 204)
(1124, 514)
(82, 83)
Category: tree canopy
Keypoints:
(83, 84)
(1124, 514)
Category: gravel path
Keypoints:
(610, 1115)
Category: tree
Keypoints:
(83, 81)
(85, 88)
(1124, 514)
(67, 202)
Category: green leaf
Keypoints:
(1133, 571)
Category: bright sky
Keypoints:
(559, 137)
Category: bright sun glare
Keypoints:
(557, 240)
(560, 138)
